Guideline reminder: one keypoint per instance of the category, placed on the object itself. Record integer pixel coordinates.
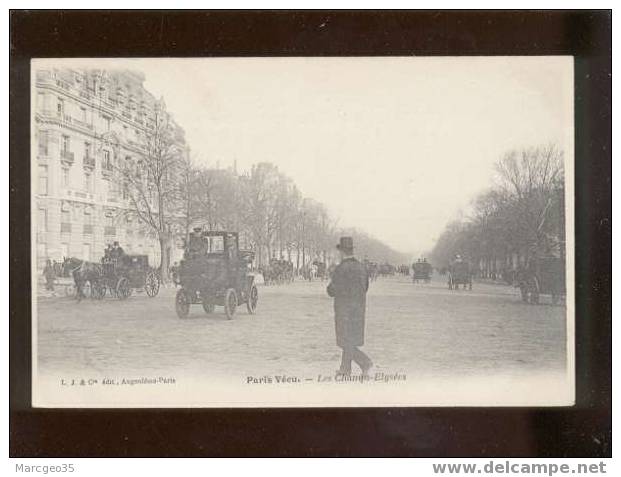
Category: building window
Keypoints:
(43, 143)
(88, 222)
(106, 163)
(88, 182)
(83, 115)
(109, 225)
(64, 177)
(42, 180)
(42, 220)
(66, 144)
(60, 107)
(107, 122)
(65, 222)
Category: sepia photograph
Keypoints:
(302, 232)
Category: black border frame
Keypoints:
(583, 430)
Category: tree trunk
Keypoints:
(164, 257)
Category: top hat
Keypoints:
(346, 244)
(116, 243)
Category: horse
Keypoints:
(82, 272)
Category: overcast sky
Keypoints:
(394, 146)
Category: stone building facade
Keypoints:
(85, 122)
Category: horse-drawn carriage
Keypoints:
(122, 275)
(459, 273)
(117, 277)
(542, 276)
(422, 270)
(215, 272)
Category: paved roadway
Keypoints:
(423, 330)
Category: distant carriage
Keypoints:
(278, 272)
(460, 273)
(543, 276)
(386, 269)
(320, 270)
(421, 271)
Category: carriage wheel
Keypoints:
(182, 304)
(87, 290)
(152, 284)
(253, 299)
(98, 290)
(70, 290)
(122, 288)
(208, 307)
(230, 303)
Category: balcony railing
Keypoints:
(63, 84)
(65, 228)
(65, 118)
(83, 124)
(67, 156)
(88, 229)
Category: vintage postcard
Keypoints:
(318, 232)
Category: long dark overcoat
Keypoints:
(348, 287)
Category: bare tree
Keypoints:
(152, 182)
(522, 216)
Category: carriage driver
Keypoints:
(117, 251)
(108, 251)
(197, 245)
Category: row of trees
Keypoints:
(521, 216)
(170, 194)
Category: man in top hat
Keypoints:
(117, 251)
(348, 287)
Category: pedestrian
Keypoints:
(348, 287)
(49, 274)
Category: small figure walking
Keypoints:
(50, 275)
(348, 287)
